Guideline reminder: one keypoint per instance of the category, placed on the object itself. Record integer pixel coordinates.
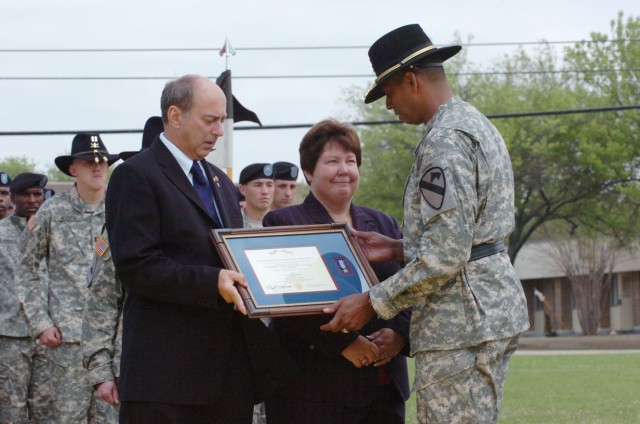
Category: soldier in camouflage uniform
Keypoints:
(101, 324)
(62, 233)
(6, 206)
(468, 304)
(101, 321)
(18, 352)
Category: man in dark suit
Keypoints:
(186, 355)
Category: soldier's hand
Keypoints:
(51, 337)
(108, 392)
(351, 313)
(227, 281)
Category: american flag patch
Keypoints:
(101, 246)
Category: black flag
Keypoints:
(235, 110)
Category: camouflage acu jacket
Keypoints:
(101, 329)
(13, 322)
(459, 194)
(62, 233)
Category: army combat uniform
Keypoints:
(63, 232)
(23, 367)
(101, 329)
(468, 308)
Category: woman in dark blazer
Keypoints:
(355, 377)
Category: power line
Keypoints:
(282, 48)
(320, 76)
(356, 123)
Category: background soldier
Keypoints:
(256, 184)
(6, 207)
(286, 175)
(17, 349)
(101, 321)
(63, 233)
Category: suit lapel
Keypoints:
(214, 181)
(176, 175)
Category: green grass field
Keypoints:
(568, 389)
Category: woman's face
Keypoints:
(336, 176)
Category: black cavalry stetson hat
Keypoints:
(399, 49)
(152, 128)
(86, 146)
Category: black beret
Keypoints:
(285, 171)
(255, 171)
(27, 180)
(5, 179)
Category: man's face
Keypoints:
(399, 94)
(200, 127)
(284, 194)
(6, 206)
(28, 202)
(89, 174)
(258, 194)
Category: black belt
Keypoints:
(486, 249)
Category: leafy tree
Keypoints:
(588, 264)
(14, 165)
(570, 169)
(58, 176)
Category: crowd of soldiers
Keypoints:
(61, 304)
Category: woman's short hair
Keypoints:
(325, 131)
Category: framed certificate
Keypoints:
(294, 270)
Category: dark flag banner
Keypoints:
(235, 110)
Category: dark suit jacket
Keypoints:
(177, 331)
(325, 373)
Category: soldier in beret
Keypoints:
(468, 304)
(285, 177)
(62, 233)
(6, 207)
(256, 185)
(18, 351)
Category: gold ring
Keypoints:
(344, 330)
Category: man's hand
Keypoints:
(378, 247)
(389, 342)
(361, 352)
(51, 337)
(108, 392)
(227, 281)
(351, 313)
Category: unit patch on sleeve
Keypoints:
(433, 186)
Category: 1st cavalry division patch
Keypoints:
(433, 186)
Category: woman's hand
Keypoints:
(361, 352)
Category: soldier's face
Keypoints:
(283, 194)
(400, 92)
(89, 173)
(258, 193)
(28, 202)
(6, 206)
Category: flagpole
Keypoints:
(227, 51)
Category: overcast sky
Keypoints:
(61, 105)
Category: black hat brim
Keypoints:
(63, 162)
(438, 55)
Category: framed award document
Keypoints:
(294, 270)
